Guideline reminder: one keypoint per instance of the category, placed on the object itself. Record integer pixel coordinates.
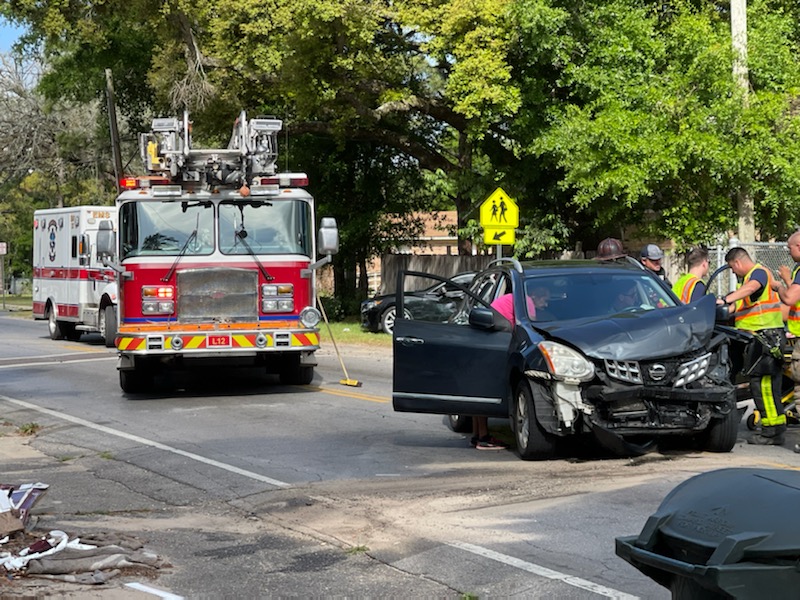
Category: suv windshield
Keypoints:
(580, 295)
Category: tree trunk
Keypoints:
(462, 200)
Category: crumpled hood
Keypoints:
(652, 334)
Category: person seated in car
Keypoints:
(626, 298)
(541, 300)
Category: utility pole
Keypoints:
(112, 125)
(747, 228)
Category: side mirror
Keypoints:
(106, 240)
(481, 317)
(328, 237)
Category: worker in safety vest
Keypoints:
(690, 286)
(757, 309)
(789, 294)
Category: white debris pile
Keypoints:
(92, 559)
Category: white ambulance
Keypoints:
(71, 287)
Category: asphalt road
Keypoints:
(250, 488)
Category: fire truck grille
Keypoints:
(217, 294)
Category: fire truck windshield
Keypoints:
(268, 227)
(164, 228)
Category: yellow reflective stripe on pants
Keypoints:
(770, 416)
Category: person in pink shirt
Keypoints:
(480, 425)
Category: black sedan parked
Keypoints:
(611, 354)
(435, 303)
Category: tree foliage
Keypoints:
(593, 116)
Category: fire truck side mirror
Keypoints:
(106, 240)
(328, 237)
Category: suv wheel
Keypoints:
(722, 433)
(459, 423)
(532, 441)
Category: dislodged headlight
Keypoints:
(692, 370)
(566, 363)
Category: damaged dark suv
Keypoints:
(599, 349)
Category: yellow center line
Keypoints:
(348, 394)
(776, 465)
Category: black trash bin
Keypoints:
(729, 533)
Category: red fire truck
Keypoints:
(215, 257)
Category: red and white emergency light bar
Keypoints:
(259, 185)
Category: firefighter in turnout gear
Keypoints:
(690, 286)
(758, 311)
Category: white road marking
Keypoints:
(544, 571)
(55, 362)
(151, 590)
(146, 442)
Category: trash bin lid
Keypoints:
(736, 513)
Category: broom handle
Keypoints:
(333, 339)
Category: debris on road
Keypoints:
(89, 559)
(16, 503)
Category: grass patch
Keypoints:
(106, 454)
(350, 332)
(357, 549)
(19, 306)
(29, 428)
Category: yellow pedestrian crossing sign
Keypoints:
(499, 218)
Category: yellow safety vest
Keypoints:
(684, 288)
(793, 323)
(765, 312)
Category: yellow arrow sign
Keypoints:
(498, 210)
(499, 236)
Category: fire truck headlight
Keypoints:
(309, 316)
(153, 307)
(269, 305)
(286, 305)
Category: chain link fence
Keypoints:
(771, 255)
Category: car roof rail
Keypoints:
(514, 263)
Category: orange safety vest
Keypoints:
(765, 312)
(793, 323)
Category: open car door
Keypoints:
(453, 367)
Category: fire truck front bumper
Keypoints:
(245, 343)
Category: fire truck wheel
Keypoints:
(293, 373)
(108, 325)
(135, 381)
(54, 325)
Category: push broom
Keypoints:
(346, 380)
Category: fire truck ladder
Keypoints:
(252, 152)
